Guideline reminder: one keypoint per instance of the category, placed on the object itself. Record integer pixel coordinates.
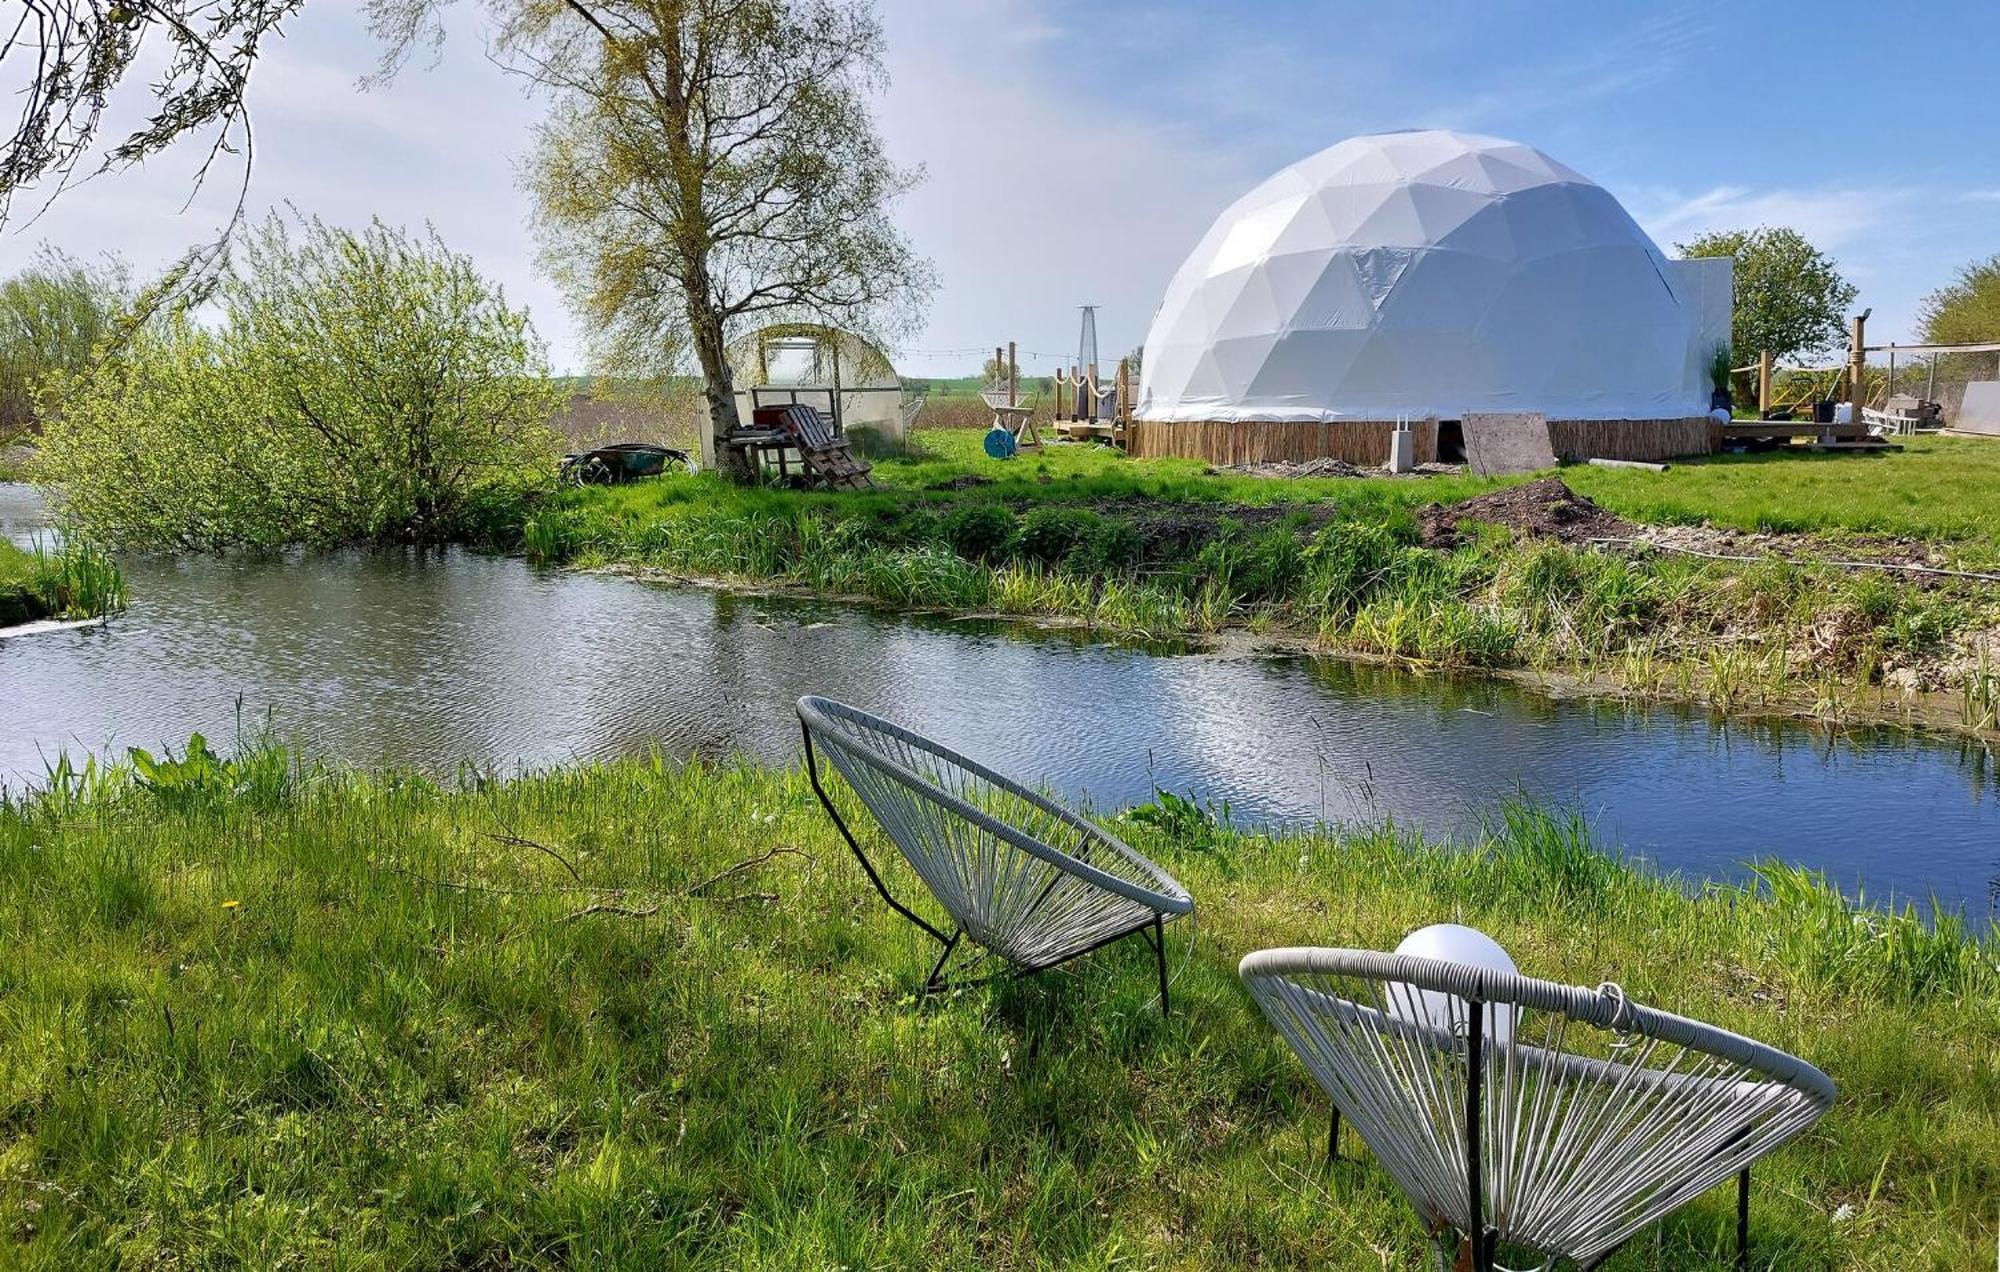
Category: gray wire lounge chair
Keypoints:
(1020, 875)
(1557, 1119)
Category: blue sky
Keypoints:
(1873, 135)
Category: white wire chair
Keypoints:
(1560, 1120)
(1020, 875)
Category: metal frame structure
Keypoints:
(1013, 893)
(1569, 1145)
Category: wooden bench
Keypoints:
(830, 460)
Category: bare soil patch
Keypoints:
(1873, 548)
(1171, 530)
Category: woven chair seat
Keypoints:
(1595, 1116)
(1019, 874)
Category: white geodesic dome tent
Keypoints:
(1431, 274)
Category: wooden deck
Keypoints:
(1088, 430)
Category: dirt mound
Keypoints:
(1545, 509)
(965, 481)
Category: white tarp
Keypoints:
(1426, 274)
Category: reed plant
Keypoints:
(73, 579)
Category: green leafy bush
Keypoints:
(981, 531)
(260, 775)
(902, 525)
(1113, 546)
(1265, 567)
(53, 314)
(359, 386)
(1049, 535)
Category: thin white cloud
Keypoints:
(1038, 199)
(1831, 218)
(438, 145)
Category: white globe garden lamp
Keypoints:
(1452, 943)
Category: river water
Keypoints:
(439, 659)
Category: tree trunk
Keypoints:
(719, 387)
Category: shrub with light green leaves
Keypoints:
(360, 386)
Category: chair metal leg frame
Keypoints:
(1158, 940)
(1743, 1220)
(1154, 928)
(934, 982)
(1475, 1046)
(812, 775)
(1151, 929)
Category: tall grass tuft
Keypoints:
(72, 580)
(1834, 944)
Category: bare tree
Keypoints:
(64, 60)
(707, 166)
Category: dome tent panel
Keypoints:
(1424, 274)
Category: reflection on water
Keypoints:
(441, 658)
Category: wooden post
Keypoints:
(1857, 370)
(1013, 376)
(836, 386)
(1763, 381)
(1124, 389)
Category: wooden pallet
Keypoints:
(830, 460)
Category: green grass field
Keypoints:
(1938, 488)
(1081, 472)
(1945, 489)
(256, 1017)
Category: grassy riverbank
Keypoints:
(645, 1015)
(73, 581)
(1357, 565)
